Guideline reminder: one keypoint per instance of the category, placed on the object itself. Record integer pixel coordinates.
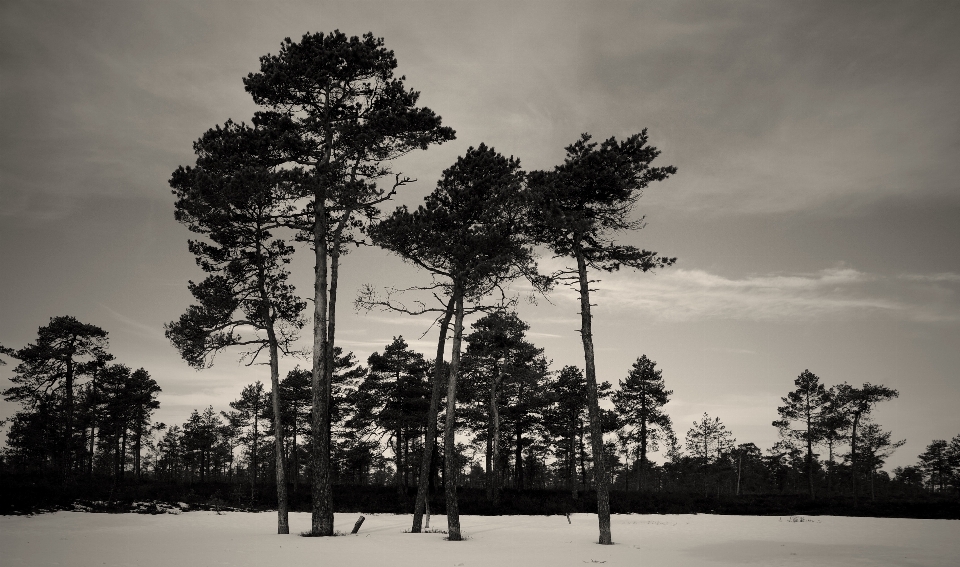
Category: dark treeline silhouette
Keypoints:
(522, 438)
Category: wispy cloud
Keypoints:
(137, 327)
(686, 295)
(944, 277)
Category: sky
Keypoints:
(815, 213)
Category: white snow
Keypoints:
(241, 539)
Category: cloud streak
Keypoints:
(679, 295)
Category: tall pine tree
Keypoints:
(577, 210)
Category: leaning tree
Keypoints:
(858, 403)
(352, 117)
(578, 210)
(468, 236)
(236, 196)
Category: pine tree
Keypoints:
(566, 419)
(235, 196)
(805, 406)
(395, 396)
(935, 464)
(142, 393)
(639, 403)
(45, 383)
(249, 409)
(877, 447)
(577, 210)
(858, 403)
(351, 118)
(467, 235)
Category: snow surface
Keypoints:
(240, 538)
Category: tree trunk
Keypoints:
(739, 470)
(809, 445)
(572, 460)
(449, 445)
(322, 513)
(853, 458)
(136, 448)
(283, 520)
(429, 441)
(398, 458)
(329, 367)
(582, 450)
(295, 463)
(518, 456)
(643, 444)
(596, 433)
(93, 421)
(66, 448)
(830, 467)
(494, 467)
(122, 457)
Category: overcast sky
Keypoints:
(815, 214)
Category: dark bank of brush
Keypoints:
(23, 495)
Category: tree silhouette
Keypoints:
(577, 211)
(806, 405)
(857, 403)
(639, 403)
(466, 235)
(833, 424)
(46, 379)
(248, 410)
(877, 447)
(235, 196)
(935, 464)
(565, 420)
(352, 117)
(497, 350)
(394, 395)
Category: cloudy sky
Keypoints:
(815, 214)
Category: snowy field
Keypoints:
(236, 538)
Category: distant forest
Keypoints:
(86, 421)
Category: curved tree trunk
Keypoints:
(449, 445)
(283, 520)
(429, 441)
(593, 401)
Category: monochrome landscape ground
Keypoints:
(245, 539)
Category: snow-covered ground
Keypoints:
(237, 538)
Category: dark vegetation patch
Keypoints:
(27, 495)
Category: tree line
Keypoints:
(521, 425)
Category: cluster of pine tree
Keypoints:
(81, 413)
(314, 166)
